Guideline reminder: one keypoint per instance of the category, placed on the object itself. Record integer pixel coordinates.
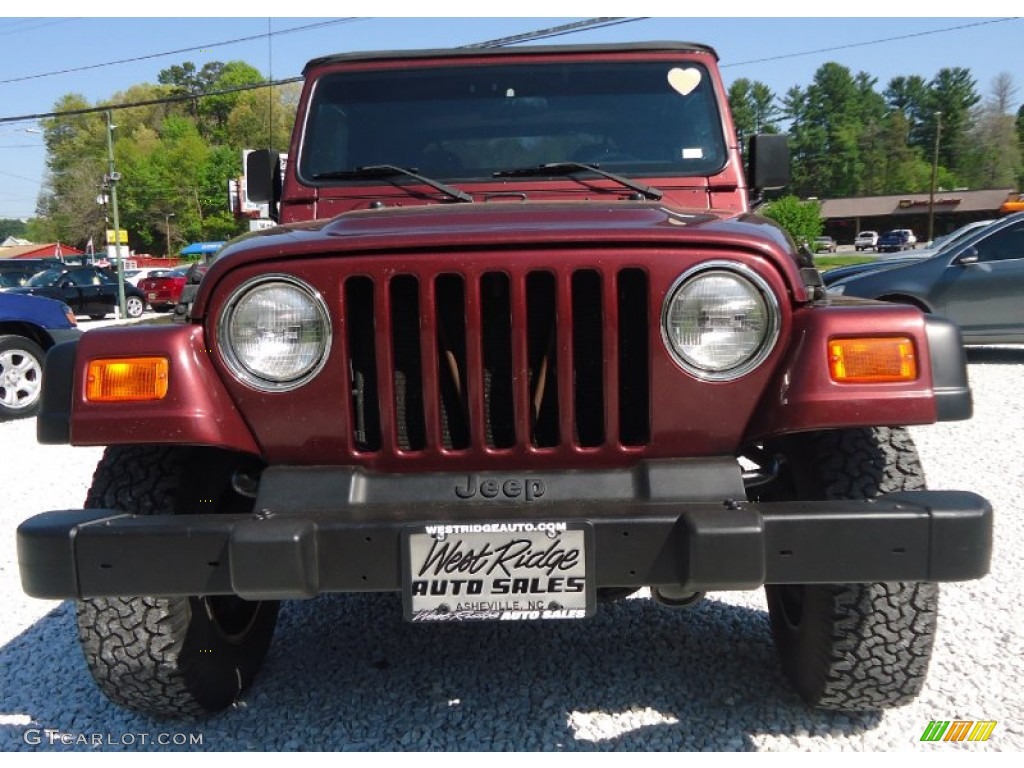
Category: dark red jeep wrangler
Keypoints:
(517, 346)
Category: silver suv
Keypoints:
(866, 240)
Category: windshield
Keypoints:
(959, 235)
(12, 279)
(652, 118)
(45, 279)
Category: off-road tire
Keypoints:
(853, 647)
(170, 657)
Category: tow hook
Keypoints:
(673, 597)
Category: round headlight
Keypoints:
(275, 332)
(720, 320)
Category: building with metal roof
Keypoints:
(845, 217)
(39, 251)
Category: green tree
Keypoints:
(249, 121)
(902, 168)
(184, 81)
(11, 228)
(753, 109)
(910, 97)
(40, 230)
(1019, 123)
(802, 220)
(826, 133)
(993, 158)
(217, 109)
(954, 93)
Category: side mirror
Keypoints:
(263, 178)
(768, 163)
(969, 256)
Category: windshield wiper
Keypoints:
(388, 171)
(567, 167)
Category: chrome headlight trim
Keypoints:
(238, 368)
(772, 312)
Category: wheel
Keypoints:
(134, 306)
(182, 656)
(21, 376)
(853, 647)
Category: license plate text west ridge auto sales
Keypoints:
(497, 571)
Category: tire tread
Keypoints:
(860, 646)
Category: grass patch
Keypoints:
(825, 263)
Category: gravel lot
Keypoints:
(346, 673)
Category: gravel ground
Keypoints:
(346, 673)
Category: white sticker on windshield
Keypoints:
(684, 81)
(692, 153)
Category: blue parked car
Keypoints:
(896, 240)
(29, 326)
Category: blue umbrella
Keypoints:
(198, 249)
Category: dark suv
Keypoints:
(519, 346)
(894, 240)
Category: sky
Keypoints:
(782, 51)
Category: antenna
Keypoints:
(270, 77)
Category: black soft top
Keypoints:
(502, 52)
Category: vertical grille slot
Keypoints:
(496, 335)
(450, 313)
(360, 325)
(634, 363)
(541, 343)
(406, 370)
(588, 357)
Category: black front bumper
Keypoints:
(301, 545)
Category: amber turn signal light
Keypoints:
(126, 379)
(872, 360)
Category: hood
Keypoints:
(832, 276)
(19, 304)
(482, 225)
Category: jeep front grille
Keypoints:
(498, 361)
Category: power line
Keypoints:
(898, 38)
(86, 67)
(148, 102)
(564, 29)
(8, 31)
(574, 27)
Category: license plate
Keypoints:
(152, 295)
(498, 572)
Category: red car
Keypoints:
(163, 289)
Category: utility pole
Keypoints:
(935, 171)
(167, 230)
(112, 178)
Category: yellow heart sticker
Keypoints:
(684, 81)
